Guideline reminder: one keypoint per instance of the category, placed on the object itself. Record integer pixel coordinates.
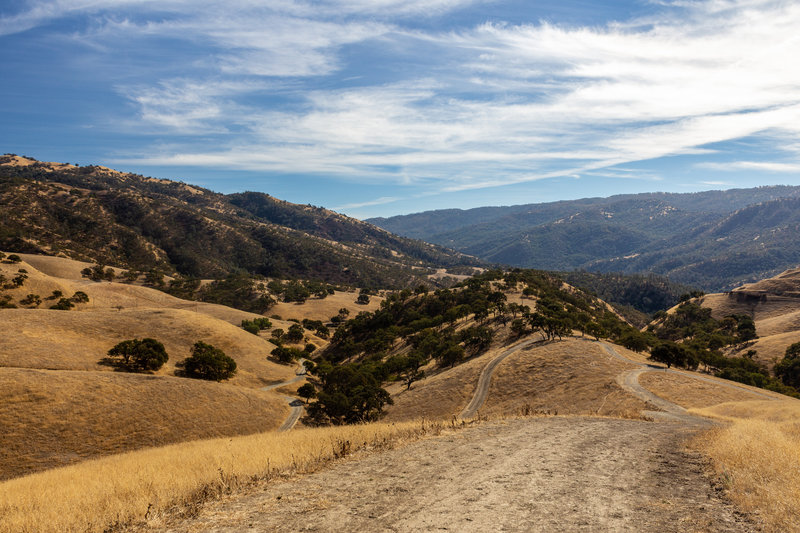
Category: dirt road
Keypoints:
(536, 474)
(296, 406)
(540, 474)
(485, 379)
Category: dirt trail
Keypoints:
(536, 474)
(539, 474)
(485, 379)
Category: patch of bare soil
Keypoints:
(540, 474)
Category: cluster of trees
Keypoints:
(430, 322)
(349, 393)
(256, 325)
(99, 273)
(139, 355)
(788, 370)
(65, 304)
(299, 290)
(149, 355)
(691, 336)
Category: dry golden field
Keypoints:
(79, 340)
(142, 486)
(323, 309)
(60, 404)
(53, 418)
(757, 454)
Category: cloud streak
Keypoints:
(477, 107)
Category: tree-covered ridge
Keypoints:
(714, 240)
(98, 215)
(443, 328)
(636, 296)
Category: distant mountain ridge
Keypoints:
(714, 240)
(96, 214)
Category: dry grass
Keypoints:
(59, 267)
(145, 485)
(572, 376)
(56, 418)
(758, 456)
(440, 396)
(64, 275)
(78, 340)
(691, 393)
(324, 309)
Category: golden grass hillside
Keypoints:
(141, 486)
(323, 309)
(572, 376)
(757, 454)
(53, 418)
(79, 340)
(46, 274)
(774, 305)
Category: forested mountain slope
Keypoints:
(715, 239)
(96, 214)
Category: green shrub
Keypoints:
(64, 304)
(139, 355)
(208, 362)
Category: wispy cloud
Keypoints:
(476, 107)
(378, 201)
(760, 166)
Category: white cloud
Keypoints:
(479, 107)
(378, 201)
(760, 166)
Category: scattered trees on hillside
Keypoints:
(789, 367)
(256, 325)
(350, 393)
(98, 273)
(137, 355)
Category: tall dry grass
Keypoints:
(757, 454)
(147, 484)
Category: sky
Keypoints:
(386, 107)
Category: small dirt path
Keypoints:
(537, 475)
(532, 475)
(631, 377)
(485, 379)
(296, 405)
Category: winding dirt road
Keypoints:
(296, 406)
(485, 379)
(533, 475)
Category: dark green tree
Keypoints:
(208, 362)
(139, 355)
(307, 391)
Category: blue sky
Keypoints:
(384, 107)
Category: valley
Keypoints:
(423, 376)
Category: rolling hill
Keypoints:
(714, 240)
(99, 215)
